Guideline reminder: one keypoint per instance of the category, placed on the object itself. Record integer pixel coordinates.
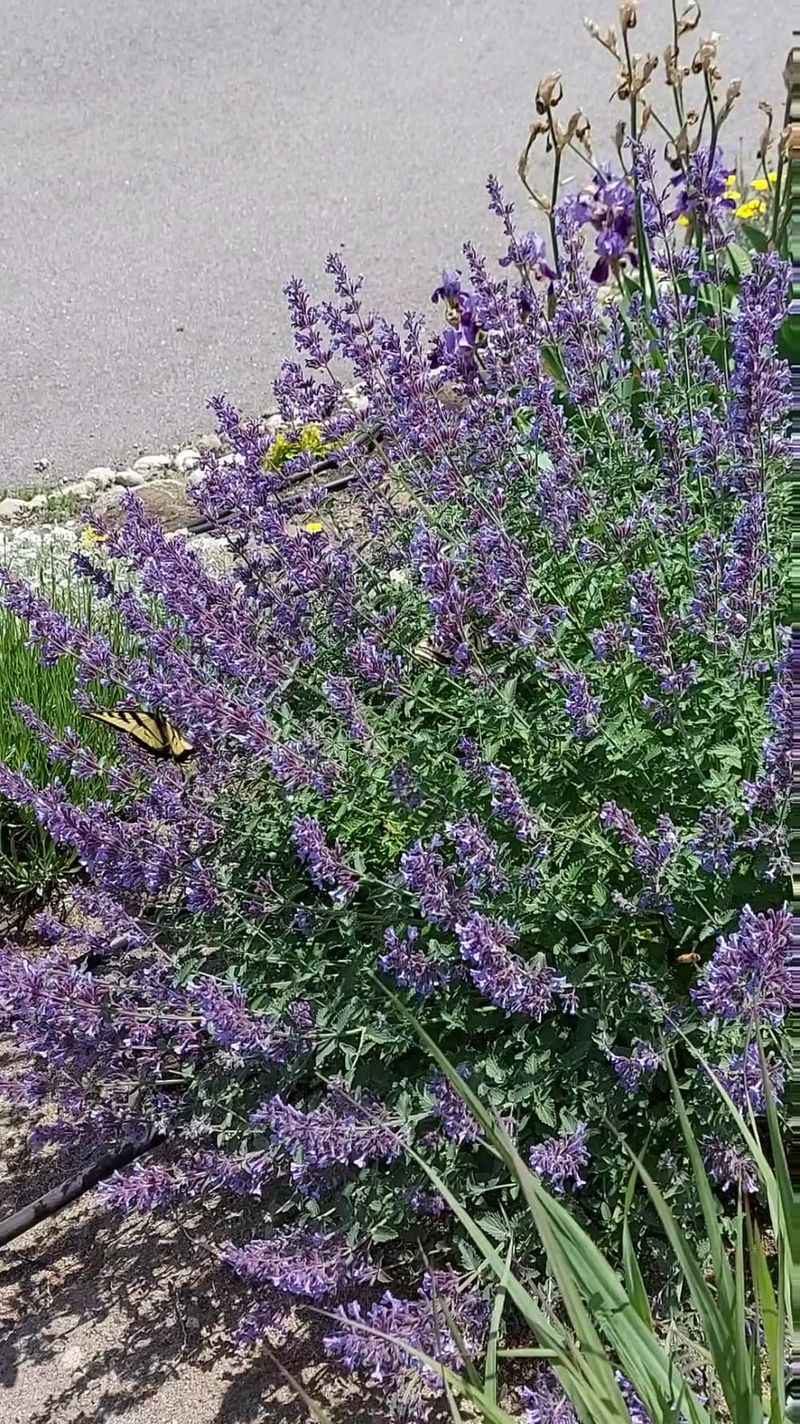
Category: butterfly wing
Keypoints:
(144, 728)
(179, 749)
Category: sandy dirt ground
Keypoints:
(104, 1319)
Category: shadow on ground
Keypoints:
(104, 1319)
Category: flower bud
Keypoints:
(628, 14)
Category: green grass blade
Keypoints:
(708, 1203)
(490, 1367)
(634, 1282)
(770, 1315)
(719, 1325)
(460, 1386)
(639, 1352)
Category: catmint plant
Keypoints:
(508, 735)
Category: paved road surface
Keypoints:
(166, 165)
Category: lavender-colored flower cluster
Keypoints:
(337, 1133)
(410, 967)
(458, 1122)
(314, 1264)
(325, 864)
(506, 979)
(631, 1068)
(743, 1080)
(421, 1324)
(560, 1160)
(748, 976)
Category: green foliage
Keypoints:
(31, 866)
(612, 1359)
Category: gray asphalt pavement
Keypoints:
(167, 165)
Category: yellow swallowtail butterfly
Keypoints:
(150, 731)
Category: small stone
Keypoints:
(187, 460)
(164, 500)
(150, 463)
(71, 1358)
(81, 489)
(102, 476)
(12, 508)
(210, 442)
(40, 466)
(39, 501)
(196, 478)
(356, 401)
(273, 422)
(130, 478)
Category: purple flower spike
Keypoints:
(504, 978)
(317, 1265)
(560, 1159)
(410, 967)
(748, 976)
(325, 864)
(458, 1122)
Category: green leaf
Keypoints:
(757, 239)
(740, 260)
(633, 1276)
(490, 1367)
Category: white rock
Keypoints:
(195, 479)
(149, 463)
(186, 460)
(101, 476)
(81, 489)
(273, 422)
(12, 508)
(233, 459)
(130, 478)
(39, 501)
(210, 442)
(356, 401)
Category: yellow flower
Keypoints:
(683, 221)
(311, 440)
(763, 185)
(90, 537)
(314, 527)
(735, 194)
(730, 181)
(753, 208)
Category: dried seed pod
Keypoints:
(583, 132)
(619, 137)
(549, 92)
(765, 141)
(648, 67)
(607, 38)
(690, 18)
(628, 14)
(706, 56)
